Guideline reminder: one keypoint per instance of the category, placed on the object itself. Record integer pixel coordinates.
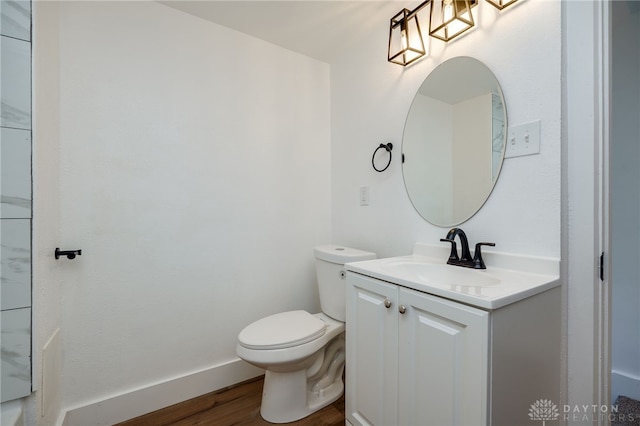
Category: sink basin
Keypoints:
(441, 274)
(507, 279)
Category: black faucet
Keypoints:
(465, 259)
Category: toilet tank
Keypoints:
(330, 260)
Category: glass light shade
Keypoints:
(405, 39)
(501, 4)
(450, 18)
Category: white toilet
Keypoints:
(303, 353)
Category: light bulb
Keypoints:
(448, 10)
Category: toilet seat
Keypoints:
(283, 330)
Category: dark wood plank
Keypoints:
(236, 406)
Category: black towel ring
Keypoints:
(388, 147)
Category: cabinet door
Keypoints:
(372, 351)
(443, 361)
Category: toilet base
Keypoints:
(301, 380)
(286, 397)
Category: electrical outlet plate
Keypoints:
(364, 195)
(523, 139)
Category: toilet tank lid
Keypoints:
(341, 254)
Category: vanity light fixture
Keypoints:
(405, 38)
(450, 18)
(447, 20)
(501, 4)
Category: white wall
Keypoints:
(625, 201)
(194, 175)
(369, 102)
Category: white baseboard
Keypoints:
(144, 400)
(624, 384)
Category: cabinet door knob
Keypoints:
(402, 309)
(387, 303)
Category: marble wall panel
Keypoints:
(16, 354)
(15, 83)
(15, 19)
(15, 173)
(15, 255)
(15, 198)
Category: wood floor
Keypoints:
(238, 405)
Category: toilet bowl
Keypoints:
(303, 353)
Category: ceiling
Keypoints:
(321, 29)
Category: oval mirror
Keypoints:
(454, 141)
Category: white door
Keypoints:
(372, 351)
(443, 362)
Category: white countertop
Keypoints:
(507, 279)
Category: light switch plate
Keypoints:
(523, 139)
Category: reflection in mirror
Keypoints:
(454, 141)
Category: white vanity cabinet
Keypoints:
(418, 359)
(414, 359)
